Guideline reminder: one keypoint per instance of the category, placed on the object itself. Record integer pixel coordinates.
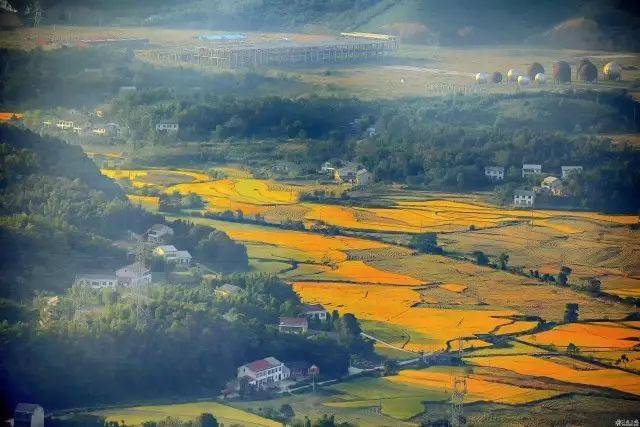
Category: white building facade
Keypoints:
(264, 373)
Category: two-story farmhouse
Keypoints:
(315, 311)
(167, 127)
(159, 233)
(97, 280)
(171, 254)
(531, 169)
(264, 373)
(494, 173)
(293, 325)
(136, 274)
(525, 198)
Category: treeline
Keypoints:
(93, 347)
(438, 143)
(219, 117)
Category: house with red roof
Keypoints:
(264, 373)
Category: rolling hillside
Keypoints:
(599, 24)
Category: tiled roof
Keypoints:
(263, 364)
(298, 322)
(312, 307)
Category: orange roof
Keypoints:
(4, 117)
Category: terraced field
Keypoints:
(422, 303)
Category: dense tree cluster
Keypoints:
(59, 215)
(440, 143)
(171, 341)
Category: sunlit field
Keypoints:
(424, 303)
(138, 415)
(566, 370)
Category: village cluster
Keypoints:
(549, 185)
(137, 273)
(269, 372)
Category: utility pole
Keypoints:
(459, 389)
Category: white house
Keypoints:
(553, 185)
(28, 415)
(524, 198)
(293, 325)
(264, 373)
(135, 274)
(167, 127)
(170, 253)
(363, 177)
(327, 168)
(65, 124)
(98, 280)
(568, 170)
(314, 311)
(159, 232)
(531, 169)
(494, 173)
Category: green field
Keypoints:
(186, 411)
(397, 400)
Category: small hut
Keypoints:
(535, 68)
(587, 72)
(512, 75)
(496, 77)
(612, 71)
(562, 72)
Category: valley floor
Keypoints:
(429, 303)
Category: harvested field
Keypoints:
(398, 306)
(479, 387)
(588, 336)
(539, 367)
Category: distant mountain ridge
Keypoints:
(598, 24)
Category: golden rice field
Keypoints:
(426, 302)
(479, 387)
(279, 201)
(608, 251)
(588, 336)
(399, 306)
(499, 289)
(540, 367)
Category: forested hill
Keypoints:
(25, 153)
(57, 214)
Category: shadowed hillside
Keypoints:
(598, 24)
